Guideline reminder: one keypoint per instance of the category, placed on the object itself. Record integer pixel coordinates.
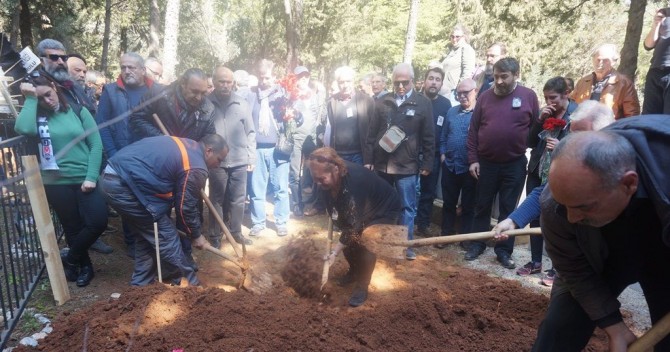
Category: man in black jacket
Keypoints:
(606, 223)
(182, 107)
(413, 114)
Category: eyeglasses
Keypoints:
(404, 83)
(54, 57)
(464, 93)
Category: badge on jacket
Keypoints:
(410, 112)
(516, 102)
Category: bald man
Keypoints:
(228, 181)
(606, 223)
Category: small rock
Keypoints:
(42, 319)
(39, 335)
(115, 295)
(8, 349)
(28, 341)
(48, 329)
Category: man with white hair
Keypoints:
(608, 86)
(396, 157)
(349, 113)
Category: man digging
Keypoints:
(355, 198)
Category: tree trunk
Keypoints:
(628, 63)
(26, 25)
(104, 60)
(15, 29)
(154, 28)
(410, 38)
(293, 10)
(123, 42)
(170, 40)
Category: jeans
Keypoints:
(227, 189)
(275, 171)
(295, 175)
(536, 242)
(83, 216)
(174, 263)
(405, 185)
(356, 158)
(656, 92)
(506, 179)
(454, 185)
(428, 191)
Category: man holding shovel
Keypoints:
(144, 180)
(355, 198)
(606, 222)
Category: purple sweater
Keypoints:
(498, 130)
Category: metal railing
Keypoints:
(21, 257)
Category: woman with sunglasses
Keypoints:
(70, 164)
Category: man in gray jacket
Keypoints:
(606, 223)
(228, 182)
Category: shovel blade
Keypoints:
(377, 238)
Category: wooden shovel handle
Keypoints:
(329, 248)
(657, 333)
(467, 237)
(208, 247)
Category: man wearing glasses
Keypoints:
(412, 114)
(458, 64)
(154, 69)
(54, 64)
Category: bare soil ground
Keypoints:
(430, 304)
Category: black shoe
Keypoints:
(358, 297)
(473, 253)
(241, 239)
(85, 275)
(71, 270)
(348, 278)
(506, 261)
(297, 211)
(101, 247)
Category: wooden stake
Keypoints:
(158, 253)
(45, 228)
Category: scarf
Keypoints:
(47, 157)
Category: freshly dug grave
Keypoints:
(429, 304)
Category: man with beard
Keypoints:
(496, 146)
(484, 79)
(54, 64)
(119, 99)
(228, 181)
(441, 105)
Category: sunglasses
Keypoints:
(404, 83)
(54, 57)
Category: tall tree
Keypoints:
(26, 24)
(293, 11)
(410, 37)
(170, 41)
(105, 37)
(154, 27)
(628, 63)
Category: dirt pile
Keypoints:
(303, 268)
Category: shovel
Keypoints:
(391, 239)
(657, 333)
(329, 247)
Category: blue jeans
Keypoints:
(428, 190)
(405, 185)
(356, 158)
(275, 171)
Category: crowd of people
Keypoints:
(364, 155)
